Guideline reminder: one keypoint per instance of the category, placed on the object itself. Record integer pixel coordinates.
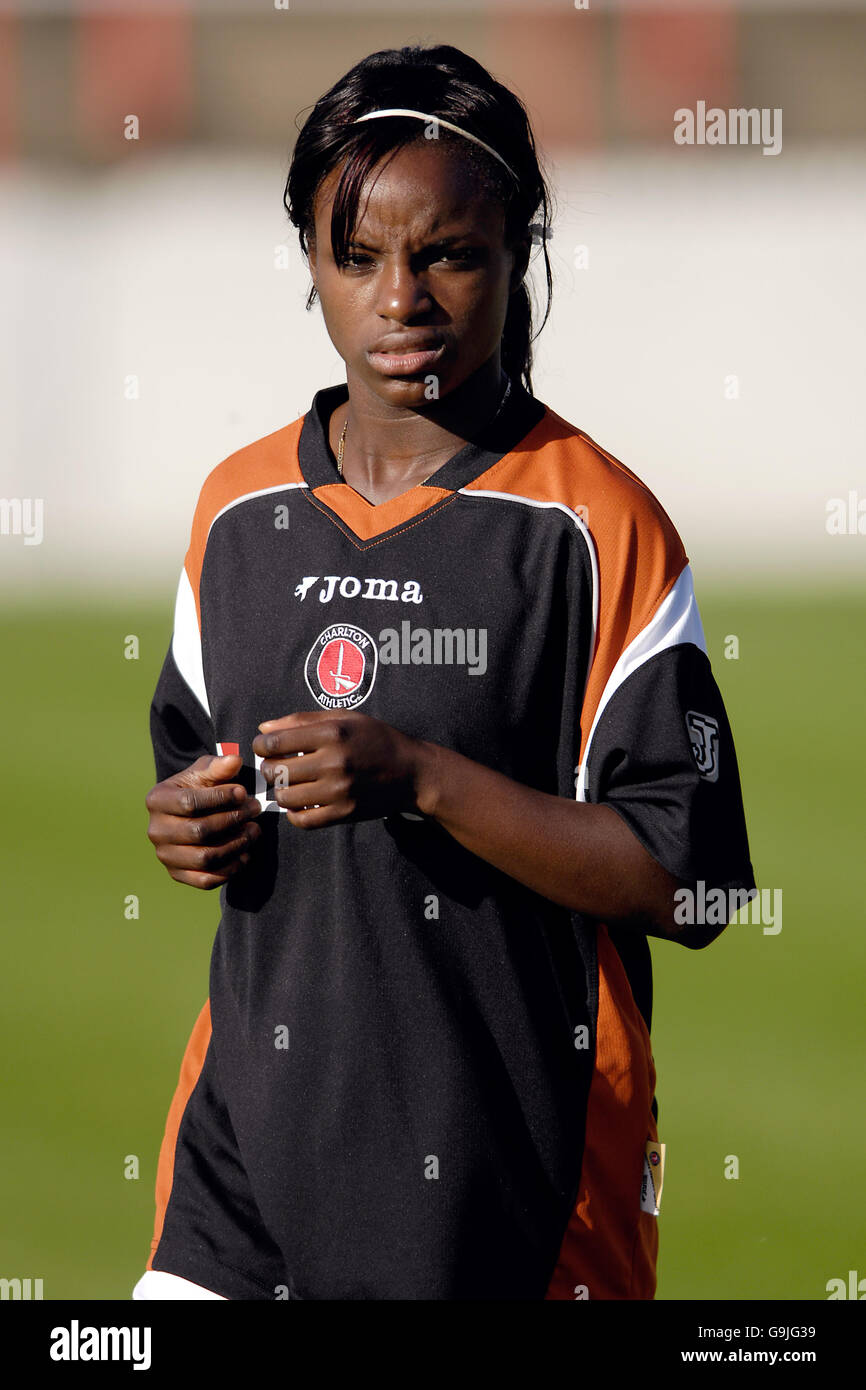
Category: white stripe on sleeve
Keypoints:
(186, 641)
(676, 621)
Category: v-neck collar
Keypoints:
(520, 413)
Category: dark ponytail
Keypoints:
(447, 83)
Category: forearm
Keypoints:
(581, 856)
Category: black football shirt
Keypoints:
(414, 1077)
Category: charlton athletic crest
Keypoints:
(341, 666)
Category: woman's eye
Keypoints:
(461, 255)
(449, 255)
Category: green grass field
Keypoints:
(759, 1040)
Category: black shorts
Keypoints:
(509, 1237)
(212, 1232)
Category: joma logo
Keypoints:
(348, 586)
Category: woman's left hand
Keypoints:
(353, 767)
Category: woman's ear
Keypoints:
(520, 251)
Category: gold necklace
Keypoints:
(342, 442)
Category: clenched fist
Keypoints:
(202, 822)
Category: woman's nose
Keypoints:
(402, 292)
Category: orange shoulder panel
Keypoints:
(638, 551)
(265, 463)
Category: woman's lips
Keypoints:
(405, 363)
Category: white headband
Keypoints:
(449, 125)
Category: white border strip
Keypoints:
(677, 621)
(186, 641)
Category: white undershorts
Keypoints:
(155, 1283)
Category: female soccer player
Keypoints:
(438, 719)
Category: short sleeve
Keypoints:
(662, 755)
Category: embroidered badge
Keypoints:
(341, 666)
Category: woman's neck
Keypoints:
(388, 451)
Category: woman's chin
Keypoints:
(419, 388)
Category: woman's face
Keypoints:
(425, 293)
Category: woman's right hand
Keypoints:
(202, 822)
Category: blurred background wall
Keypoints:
(709, 300)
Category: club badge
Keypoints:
(341, 666)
